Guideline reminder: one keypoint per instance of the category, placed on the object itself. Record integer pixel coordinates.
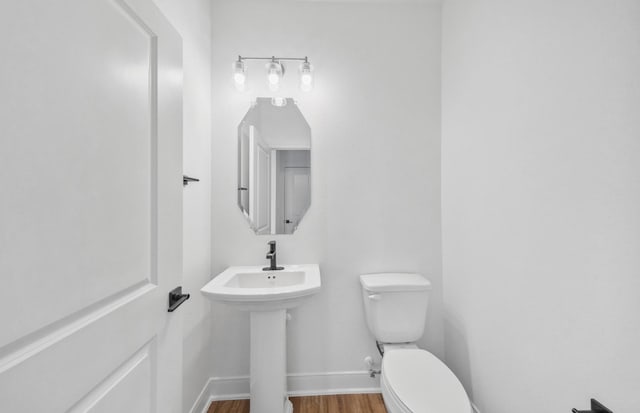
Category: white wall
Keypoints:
(283, 127)
(541, 202)
(375, 121)
(192, 20)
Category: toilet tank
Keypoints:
(395, 305)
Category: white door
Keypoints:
(260, 184)
(90, 207)
(244, 149)
(297, 196)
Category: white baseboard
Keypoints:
(202, 402)
(298, 384)
(340, 382)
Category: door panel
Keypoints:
(68, 363)
(244, 150)
(90, 223)
(83, 153)
(263, 190)
(297, 198)
(126, 390)
(259, 183)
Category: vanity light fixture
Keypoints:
(239, 74)
(275, 71)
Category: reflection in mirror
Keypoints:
(274, 166)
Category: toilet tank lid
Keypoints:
(394, 281)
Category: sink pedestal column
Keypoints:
(268, 379)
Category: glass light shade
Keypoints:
(306, 77)
(239, 74)
(274, 75)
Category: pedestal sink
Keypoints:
(267, 295)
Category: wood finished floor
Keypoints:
(339, 403)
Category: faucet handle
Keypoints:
(272, 246)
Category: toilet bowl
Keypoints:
(412, 380)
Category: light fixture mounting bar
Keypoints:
(275, 58)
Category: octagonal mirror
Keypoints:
(274, 166)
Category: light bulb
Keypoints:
(239, 74)
(275, 70)
(306, 77)
(274, 78)
(239, 78)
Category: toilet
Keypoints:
(412, 380)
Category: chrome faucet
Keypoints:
(271, 255)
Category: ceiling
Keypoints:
(375, 1)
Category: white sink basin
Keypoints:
(252, 289)
(267, 295)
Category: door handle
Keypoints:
(596, 407)
(287, 221)
(186, 179)
(176, 298)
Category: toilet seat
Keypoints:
(416, 381)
